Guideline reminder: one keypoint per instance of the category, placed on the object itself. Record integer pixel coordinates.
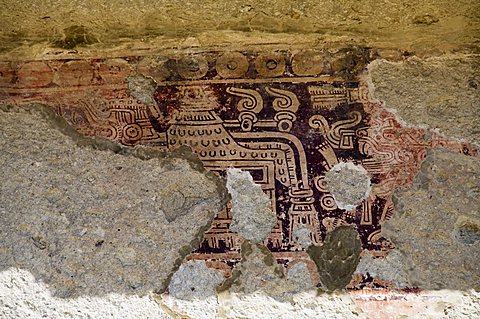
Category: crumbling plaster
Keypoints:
(103, 231)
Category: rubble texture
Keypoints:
(439, 93)
(93, 222)
(437, 222)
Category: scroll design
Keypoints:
(340, 134)
(286, 105)
(250, 104)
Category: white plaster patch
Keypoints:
(349, 184)
(253, 218)
(23, 297)
(195, 309)
(305, 305)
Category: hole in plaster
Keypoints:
(467, 231)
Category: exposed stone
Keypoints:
(258, 272)
(89, 221)
(436, 221)
(390, 268)
(425, 19)
(467, 230)
(193, 280)
(301, 234)
(300, 276)
(441, 93)
(252, 218)
(142, 88)
(349, 184)
(338, 257)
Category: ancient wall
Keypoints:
(292, 159)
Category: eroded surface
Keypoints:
(429, 26)
(439, 93)
(94, 221)
(258, 273)
(269, 113)
(437, 253)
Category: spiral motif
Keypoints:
(282, 103)
(320, 183)
(285, 100)
(131, 134)
(109, 132)
(76, 118)
(247, 103)
(250, 100)
(328, 202)
(320, 123)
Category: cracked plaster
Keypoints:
(53, 226)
